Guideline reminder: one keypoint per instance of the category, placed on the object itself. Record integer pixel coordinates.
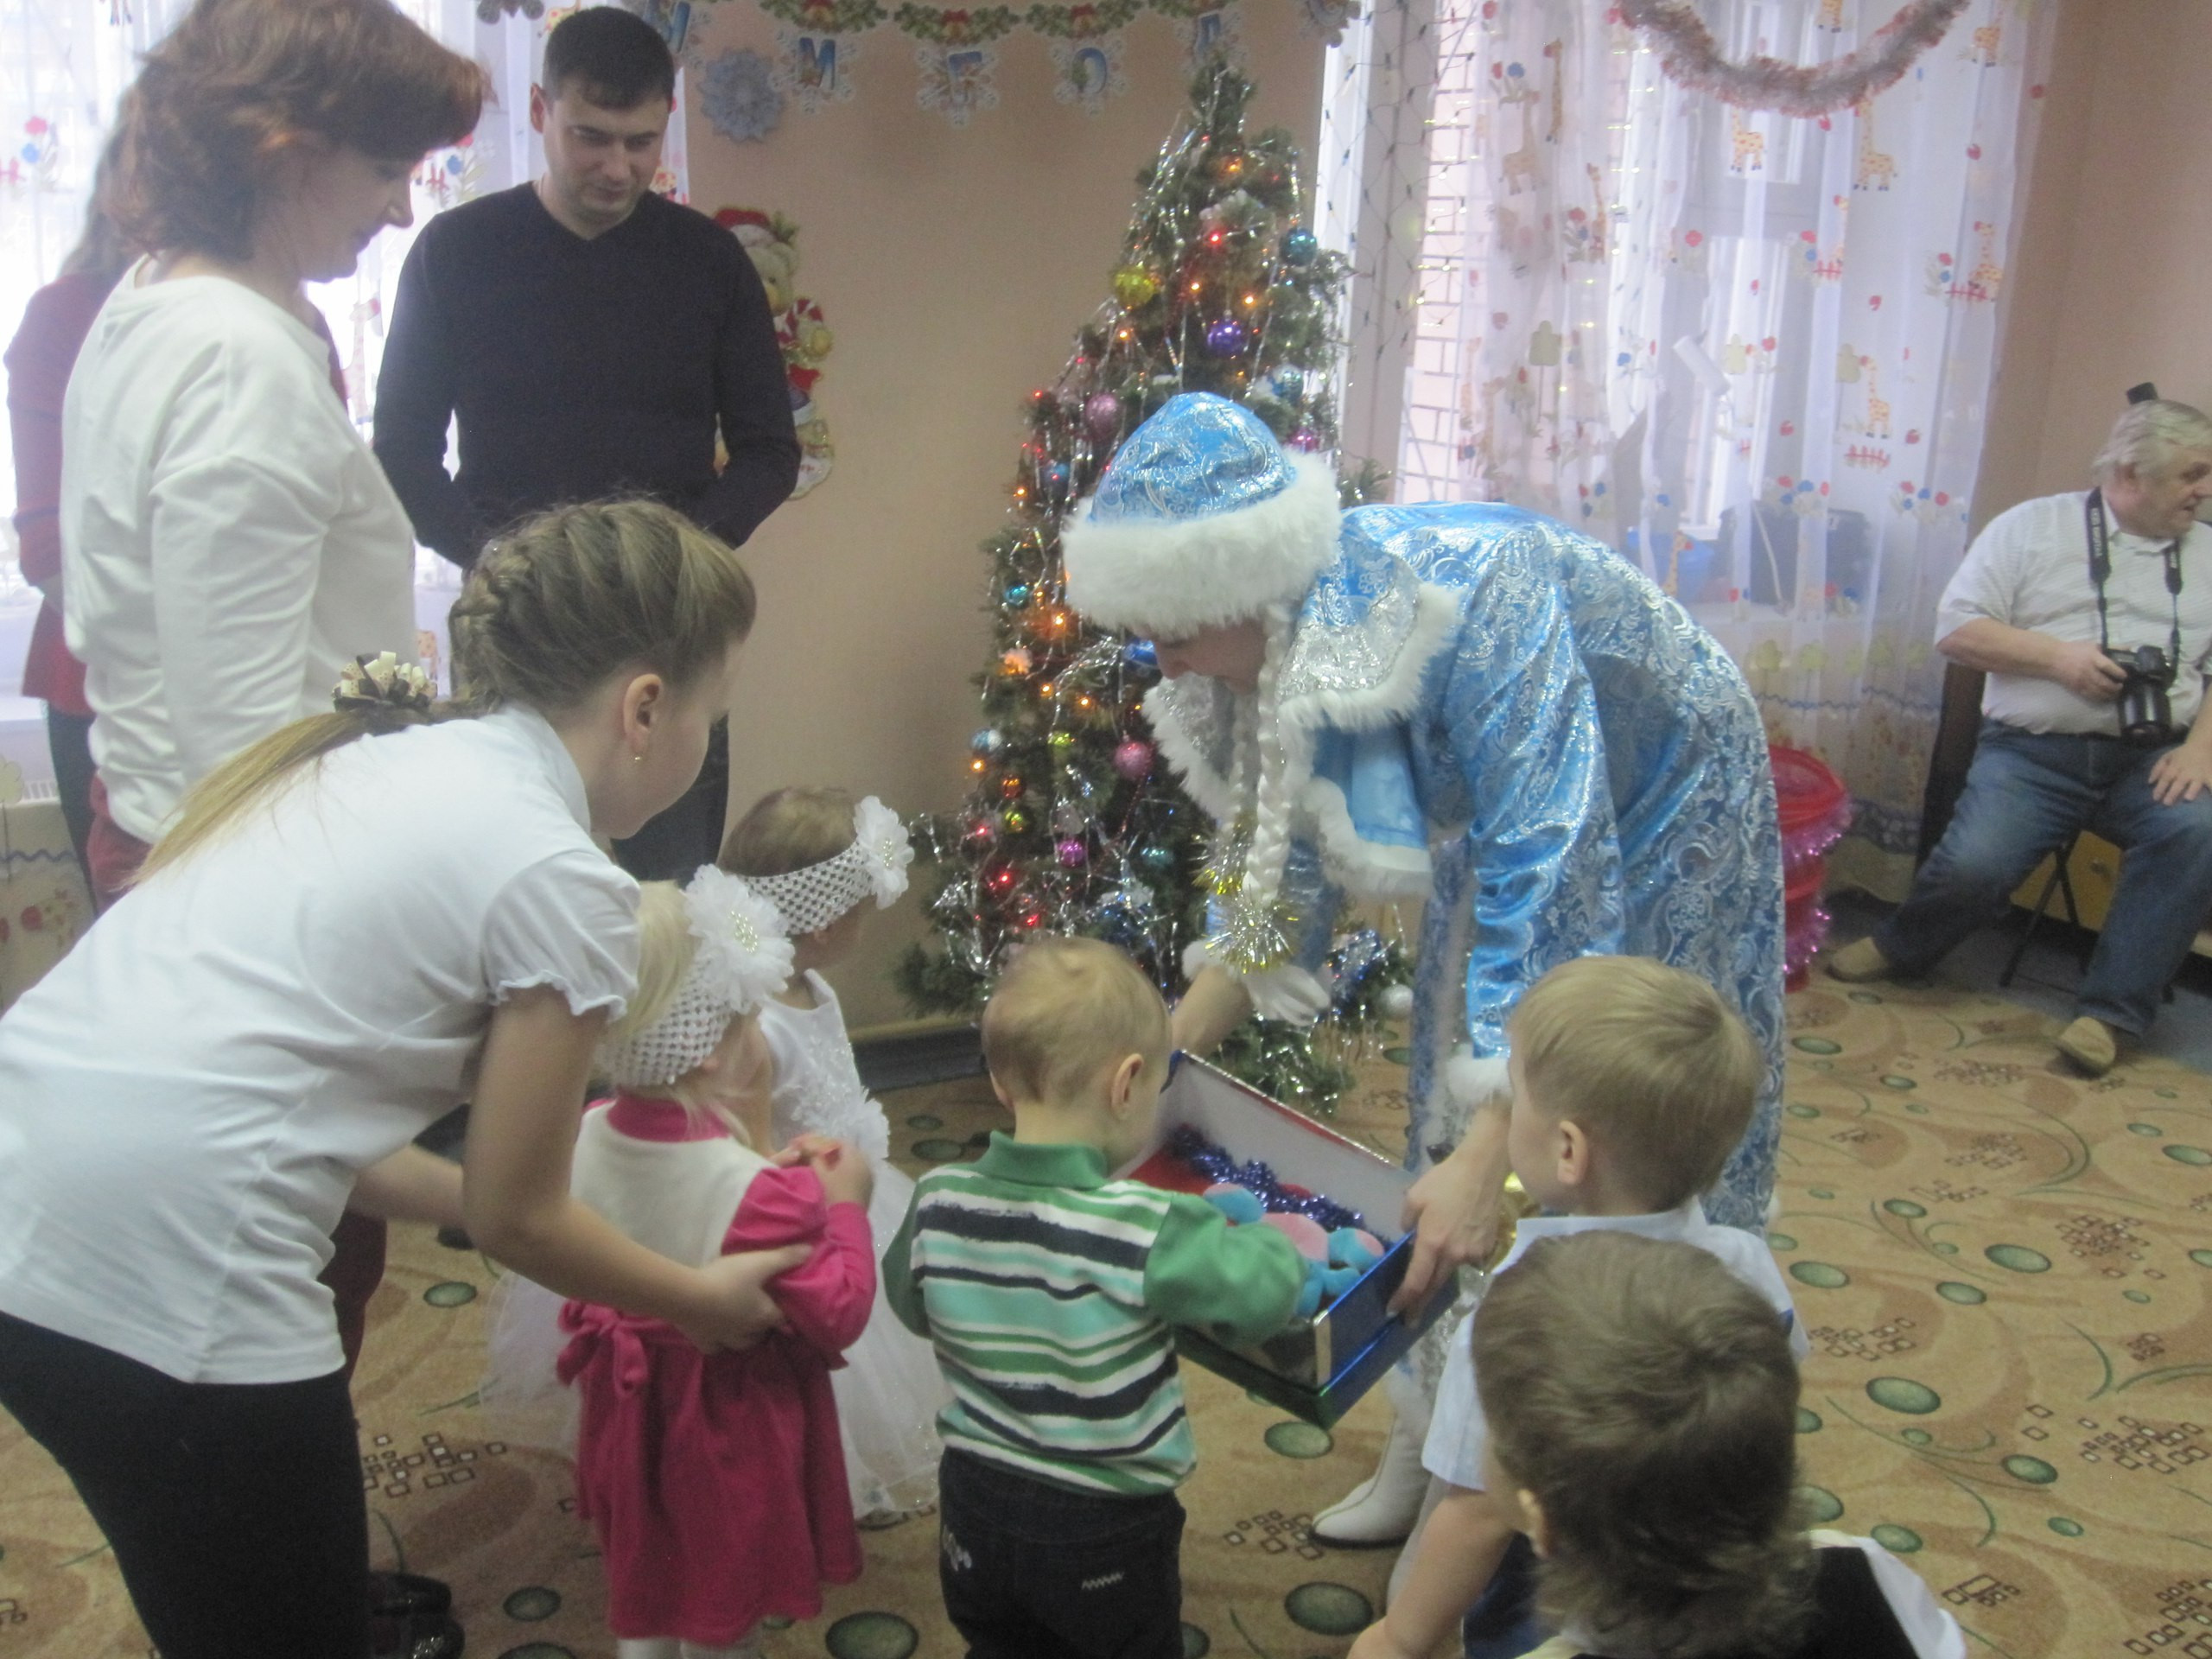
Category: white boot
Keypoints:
(1382, 1509)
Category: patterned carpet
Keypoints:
(2004, 1269)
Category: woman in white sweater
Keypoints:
(336, 939)
(228, 539)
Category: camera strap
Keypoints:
(2100, 568)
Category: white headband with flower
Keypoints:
(744, 959)
(813, 898)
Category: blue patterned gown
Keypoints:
(1486, 708)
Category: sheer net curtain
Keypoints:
(64, 65)
(1753, 352)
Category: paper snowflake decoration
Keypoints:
(739, 96)
(816, 69)
(1088, 72)
(956, 81)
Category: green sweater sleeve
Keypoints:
(1237, 1285)
(898, 1287)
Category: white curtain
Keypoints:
(1752, 352)
(64, 65)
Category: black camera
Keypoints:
(2147, 717)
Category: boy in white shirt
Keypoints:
(1632, 1082)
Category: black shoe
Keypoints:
(408, 1595)
(429, 1636)
(454, 1239)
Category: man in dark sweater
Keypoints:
(593, 340)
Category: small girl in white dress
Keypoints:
(817, 855)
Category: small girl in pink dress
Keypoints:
(715, 1482)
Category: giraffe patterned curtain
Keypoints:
(1752, 351)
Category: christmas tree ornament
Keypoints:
(1398, 1001)
(1306, 439)
(1136, 286)
(1300, 247)
(989, 741)
(1102, 416)
(1072, 853)
(1061, 742)
(1289, 384)
(1156, 858)
(1015, 820)
(1069, 819)
(1141, 653)
(1017, 593)
(1014, 662)
(1133, 760)
(1225, 336)
(1053, 478)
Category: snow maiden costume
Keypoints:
(890, 1390)
(1462, 702)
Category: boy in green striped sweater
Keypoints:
(1051, 1293)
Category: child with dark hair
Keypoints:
(1642, 1402)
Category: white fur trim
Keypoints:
(1470, 1081)
(1196, 957)
(1366, 869)
(1175, 576)
(1207, 787)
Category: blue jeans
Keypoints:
(1034, 1571)
(2028, 794)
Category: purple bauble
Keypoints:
(1102, 415)
(1072, 854)
(1133, 760)
(1306, 439)
(1225, 337)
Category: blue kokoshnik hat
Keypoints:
(1201, 519)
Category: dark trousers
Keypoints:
(69, 741)
(235, 1510)
(1034, 1571)
(673, 846)
(1503, 1624)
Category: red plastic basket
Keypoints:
(1816, 810)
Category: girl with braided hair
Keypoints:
(352, 923)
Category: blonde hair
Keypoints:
(1648, 1399)
(549, 614)
(666, 949)
(1065, 1011)
(1649, 1060)
(788, 830)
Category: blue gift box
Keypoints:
(1317, 1368)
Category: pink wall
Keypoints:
(954, 266)
(2113, 278)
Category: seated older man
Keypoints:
(2092, 616)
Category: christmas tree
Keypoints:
(1072, 825)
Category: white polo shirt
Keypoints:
(186, 1099)
(2029, 568)
(228, 540)
(1458, 1435)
